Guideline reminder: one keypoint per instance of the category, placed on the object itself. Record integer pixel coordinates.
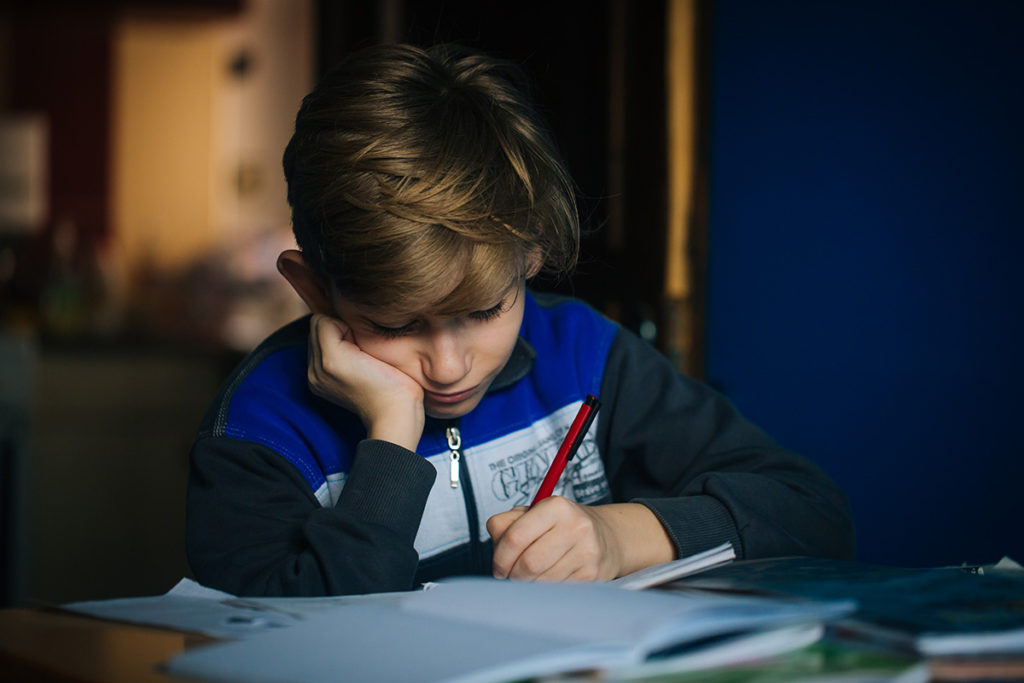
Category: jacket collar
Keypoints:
(518, 366)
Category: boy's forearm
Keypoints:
(254, 530)
(680, 449)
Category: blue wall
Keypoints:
(865, 294)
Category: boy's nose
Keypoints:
(447, 361)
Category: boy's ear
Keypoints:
(305, 282)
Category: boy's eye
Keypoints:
(413, 327)
(490, 313)
(393, 332)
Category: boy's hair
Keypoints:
(424, 177)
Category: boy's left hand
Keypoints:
(561, 540)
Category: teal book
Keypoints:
(938, 611)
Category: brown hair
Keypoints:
(414, 171)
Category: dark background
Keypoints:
(866, 234)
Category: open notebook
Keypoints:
(478, 629)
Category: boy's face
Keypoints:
(454, 360)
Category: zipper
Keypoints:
(458, 474)
(454, 454)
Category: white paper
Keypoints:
(676, 569)
(479, 629)
(189, 607)
(991, 642)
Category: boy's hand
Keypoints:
(560, 540)
(389, 402)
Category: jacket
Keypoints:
(286, 496)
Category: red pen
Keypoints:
(571, 444)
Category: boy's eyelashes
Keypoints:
(488, 314)
(411, 327)
(392, 332)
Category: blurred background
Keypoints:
(813, 206)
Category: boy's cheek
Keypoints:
(392, 352)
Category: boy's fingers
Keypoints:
(518, 538)
(556, 540)
(499, 523)
(548, 558)
(564, 568)
(329, 329)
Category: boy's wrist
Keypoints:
(639, 535)
(405, 433)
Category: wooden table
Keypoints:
(49, 645)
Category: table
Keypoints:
(49, 645)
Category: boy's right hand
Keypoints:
(389, 402)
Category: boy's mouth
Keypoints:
(457, 397)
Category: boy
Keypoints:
(396, 435)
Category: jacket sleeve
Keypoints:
(678, 447)
(254, 527)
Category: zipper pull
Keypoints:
(454, 455)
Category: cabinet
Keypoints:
(109, 435)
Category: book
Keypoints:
(943, 611)
(479, 629)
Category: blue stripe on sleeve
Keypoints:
(273, 406)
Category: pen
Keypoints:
(571, 444)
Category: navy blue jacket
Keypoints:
(287, 496)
